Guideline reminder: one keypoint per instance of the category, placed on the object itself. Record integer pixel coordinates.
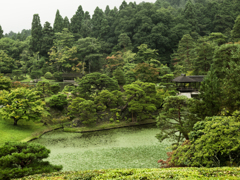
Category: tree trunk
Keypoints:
(15, 122)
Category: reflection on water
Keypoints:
(132, 147)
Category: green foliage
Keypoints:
(55, 88)
(22, 159)
(58, 76)
(76, 23)
(175, 119)
(7, 64)
(214, 143)
(68, 88)
(21, 104)
(91, 84)
(58, 101)
(142, 100)
(146, 54)
(48, 75)
(211, 94)
(18, 75)
(124, 41)
(36, 34)
(58, 23)
(89, 52)
(109, 99)
(47, 39)
(161, 174)
(119, 75)
(218, 38)
(183, 55)
(235, 33)
(84, 109)
(1, 32)
(44, 88)
(146, 73)
(5, 83)
(36, 74)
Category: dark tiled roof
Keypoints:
(188, 79)
(198, 78)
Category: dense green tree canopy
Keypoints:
(21, 104)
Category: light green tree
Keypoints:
(21, 104)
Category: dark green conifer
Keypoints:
(58, 23)
(47, 39)
(36, 33)
(76, 22)
(236, 30)
(66, 23)
(1, 32)
(190, 15)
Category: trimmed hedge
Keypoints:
(166, 173)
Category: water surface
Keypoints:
(132, 147)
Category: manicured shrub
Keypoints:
(48, 75)
(23, 159)
(58, 101)
(55, 88)
(58, 76)
(35, 74)
(5, 83)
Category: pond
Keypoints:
(132, 147)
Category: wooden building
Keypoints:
(188, 85)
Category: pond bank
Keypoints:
(88, 129)
(108, 126)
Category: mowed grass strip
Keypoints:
(24, 130)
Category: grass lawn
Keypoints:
(23, 132)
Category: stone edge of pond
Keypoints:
(47, 131)
(103, 129)
(85, 131)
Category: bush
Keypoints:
(5, 83)
(58, 101)
(48, 75)
(55, 88)
(23, 159)
(58, 76)
(35, 74)
(214, 142)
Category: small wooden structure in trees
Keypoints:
(69, 77)
(188, 85)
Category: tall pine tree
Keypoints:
(76, 22)
(236, 30)
(190, 15)
(36, 33)
(58, 23)
(1, 32)
(47, 39)
(66, 23)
